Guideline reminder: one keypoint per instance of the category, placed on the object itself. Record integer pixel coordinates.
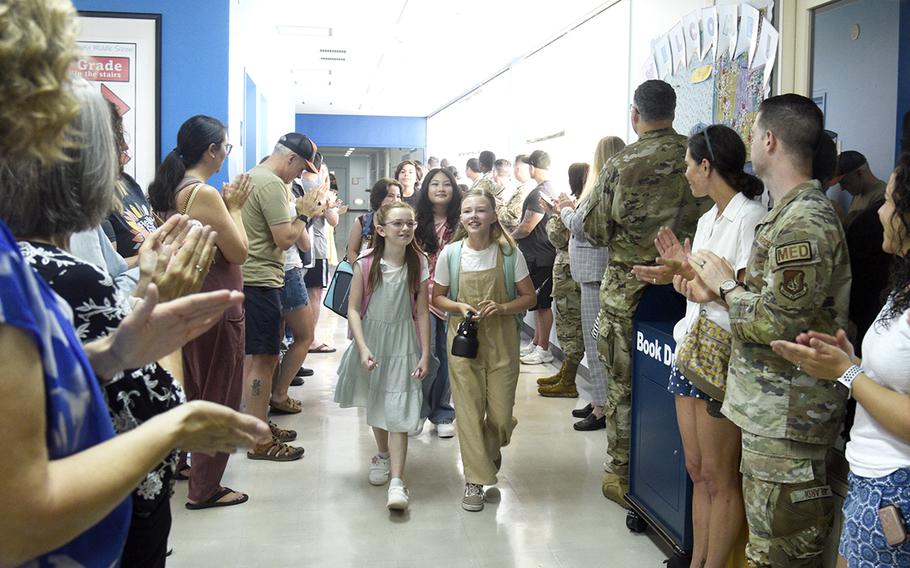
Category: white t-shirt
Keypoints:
(872, 450)
(392, 274)
(729, 236)
(292, 256)
(475, 261)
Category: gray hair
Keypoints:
(70, 196)
(282, 150)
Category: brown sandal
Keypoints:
(289, 406)
(281, 434)
(276, 451)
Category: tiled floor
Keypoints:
(320, 511)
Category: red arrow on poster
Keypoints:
(108, 94)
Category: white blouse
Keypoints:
(729, 236)
(872, 450)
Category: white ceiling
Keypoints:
(400, 57)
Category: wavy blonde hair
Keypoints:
(37, 47)
(498, 234)
(606, 148)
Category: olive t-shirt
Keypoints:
(266, 206)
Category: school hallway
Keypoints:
(321, 511)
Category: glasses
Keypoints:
(399, 225)
(227, 149)
(708, 143)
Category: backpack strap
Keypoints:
(454, 263)
(508, 265)
(365, 265)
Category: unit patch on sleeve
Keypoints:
(797, 251)
(793, 284)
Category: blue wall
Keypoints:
(859, 77)
(364, 131)
(194, 60)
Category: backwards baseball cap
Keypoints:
(849, 161)
(539, 159)
(303, 147)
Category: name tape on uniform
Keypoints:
(810, 494)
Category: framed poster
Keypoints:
(121, 54)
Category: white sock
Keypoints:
(396, 482)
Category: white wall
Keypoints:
(245, 56)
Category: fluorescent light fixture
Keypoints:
(309, 31)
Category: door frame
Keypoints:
(795, 55)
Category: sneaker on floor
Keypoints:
(418, 430)
(398, 496)
(445, 430)
(473, 497)
(527, 349)
(379, 470)
(537, 357)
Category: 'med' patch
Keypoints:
(797, 251)
(793, 284)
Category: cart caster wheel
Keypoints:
(635, 523)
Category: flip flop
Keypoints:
(322, 348)
(213, 501)
(181, 474)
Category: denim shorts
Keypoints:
(862, 540)
(293, 295)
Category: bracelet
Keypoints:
(303, 218)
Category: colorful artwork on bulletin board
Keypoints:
(710, 86)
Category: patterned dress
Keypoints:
(133, 396)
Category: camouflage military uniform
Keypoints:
(509, 213)
(640, 189)
(566, 294)
(798, 278)
(486, 183)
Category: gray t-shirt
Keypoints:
(320, 240)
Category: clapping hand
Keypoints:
(155, 252)
(820, 355)
(314, 202)
(694, 290)
(153, 330)
(673, 260)
(565, 200)
(711, 269)
(237, 192)
(176, 274)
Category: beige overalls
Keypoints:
(483, 389)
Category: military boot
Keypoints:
(550, 381)
(565, 388)
(615, 488)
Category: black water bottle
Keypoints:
(465, 342)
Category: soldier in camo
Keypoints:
(485, 182)
(798, 277)
(640, 189)
(567, 298)
(510, 212)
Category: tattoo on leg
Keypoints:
(256, 387)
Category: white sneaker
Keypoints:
(538, 357)
(527, 349)
(491, 494)
(445, 430)
(398, 496)
(379, 470)
(418, 430)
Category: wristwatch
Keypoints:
(303, 218)
(728, 286)
(844, 384)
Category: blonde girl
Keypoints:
(389, 319)
(482, 272)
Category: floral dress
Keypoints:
(133, 396)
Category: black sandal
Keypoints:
(213, 501)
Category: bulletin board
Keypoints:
(719, 61)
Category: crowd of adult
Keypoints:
(132, 328)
